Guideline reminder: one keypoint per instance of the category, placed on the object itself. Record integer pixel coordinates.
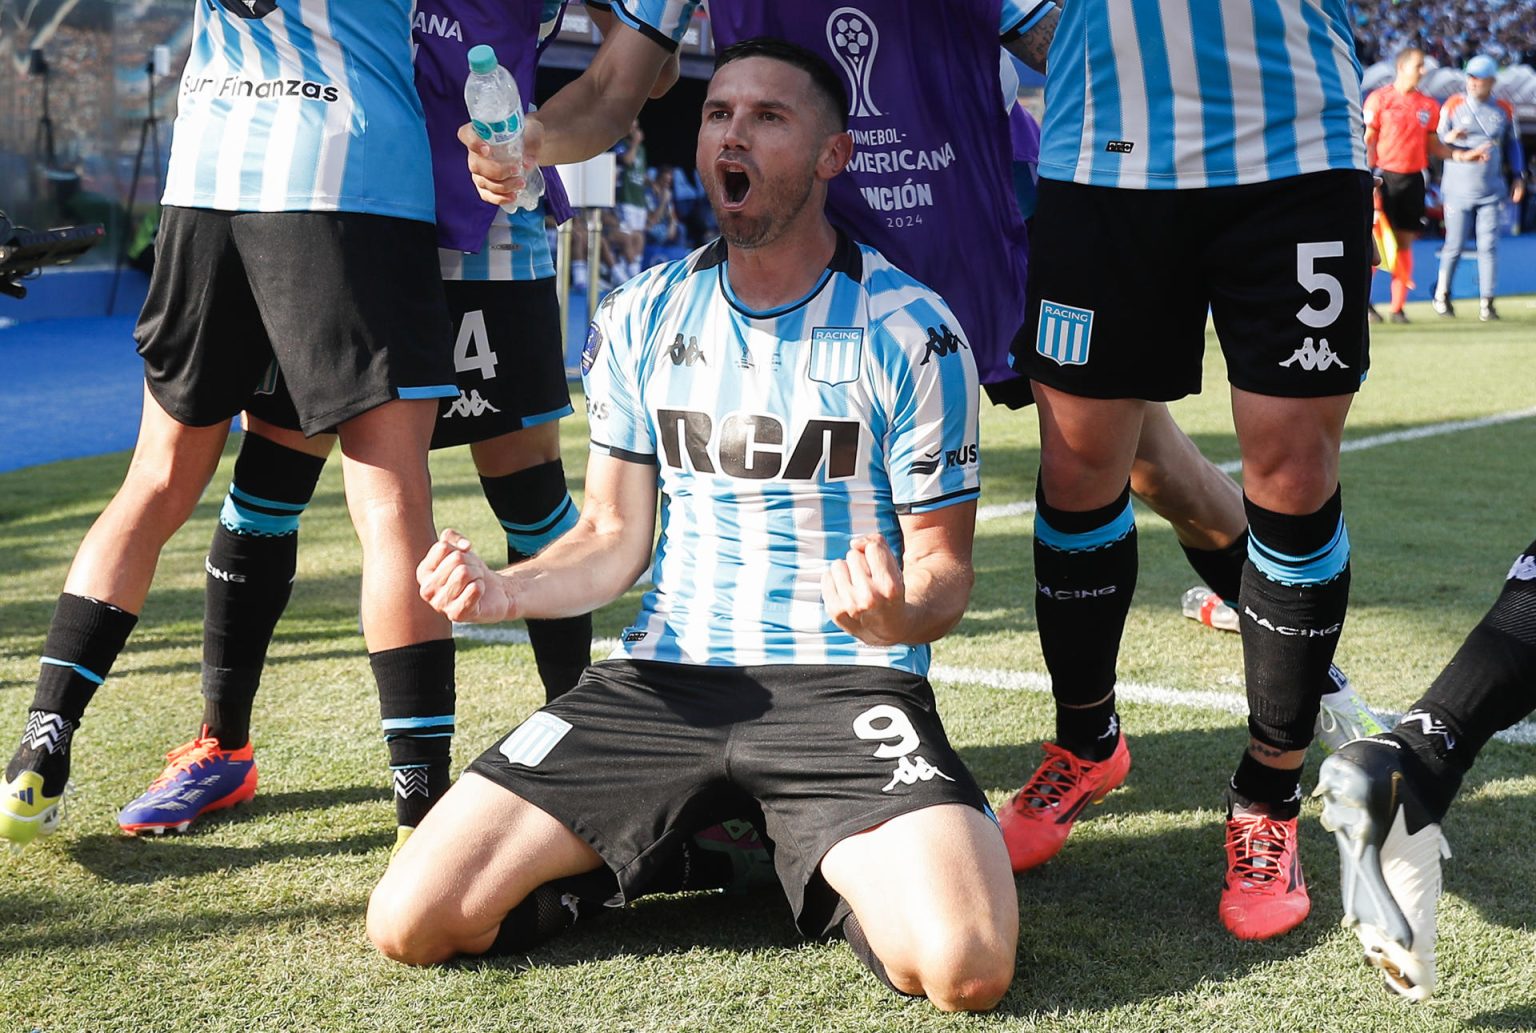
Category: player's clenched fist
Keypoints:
(499, 182)
(865, 594)
(456, 582)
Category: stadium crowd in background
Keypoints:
(1450, 31)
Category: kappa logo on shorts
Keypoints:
(885, 722)
(534, 739)
(1319, 357)
(1065, 333)
(470, 404)
(835, 354)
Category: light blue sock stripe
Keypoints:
(257, 500)
(1314, 569)
(396, 724)
(241, 520)
(1086, 541)
(88, 675)
(524, 539)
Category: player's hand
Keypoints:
(497, 181)
(865, 594)
(1479, 153)
(1455, 134)
(456, 582)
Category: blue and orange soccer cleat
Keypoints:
(26, 812)
(1036, 821)
(199, 778)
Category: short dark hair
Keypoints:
(1405, 53)
(827, 82)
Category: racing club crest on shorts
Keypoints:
(1065, 333)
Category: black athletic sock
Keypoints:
(551, 909)
(1489, 685)
(1294, 596)
(691, 868)
(1085, 575)
(1221, 569)
(416, 703)
(1276, 790)
(853, 932)
(1089, 732)
(84, 640)
(250, 565)
(535, 508)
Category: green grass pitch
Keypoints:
(254, 921)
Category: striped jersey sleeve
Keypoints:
(301, 105)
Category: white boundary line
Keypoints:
(1431, 430)
(1235, 703)
(1134, 692)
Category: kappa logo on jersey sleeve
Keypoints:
(1065, 333)
(534, 739)
(836, 354)
(941, 341)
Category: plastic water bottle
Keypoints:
(1203, 605)
(496, 112)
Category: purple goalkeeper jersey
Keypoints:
(931, 182)
(443, 32)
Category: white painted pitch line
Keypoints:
(1523, 734)
(1431, 430)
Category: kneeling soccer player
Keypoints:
(817, 473)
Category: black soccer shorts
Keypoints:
(641, 754)
(507, 356)
(1402, 200)
(350, 306)
(1121, 282)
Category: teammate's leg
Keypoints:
(524, 482)
(250, 569)
(457, 886)
(1487, 218)
(1385, 796)
(1402, 273)
(942, 923)
(103, 595)
(410, 647)
(1294, 595)
(1085, 575)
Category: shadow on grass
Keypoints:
(58, 924)
(143, 860)
(1521, 1017)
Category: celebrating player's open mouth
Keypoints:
(735, 184)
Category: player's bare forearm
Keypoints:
(1033, 47)
(599, 559)
(590, 565)
(591, 113)
(883, 603)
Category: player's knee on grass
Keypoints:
(402, 927)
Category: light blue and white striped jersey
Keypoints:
(778, 437)
(301, 105)
(516, 248)
(1184, 94)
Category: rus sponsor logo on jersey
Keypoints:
(750, 446)
(232, 87)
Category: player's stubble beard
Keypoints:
(784, 202)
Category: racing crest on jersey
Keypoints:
(835, 354)
(249, 9)
(854, 40)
